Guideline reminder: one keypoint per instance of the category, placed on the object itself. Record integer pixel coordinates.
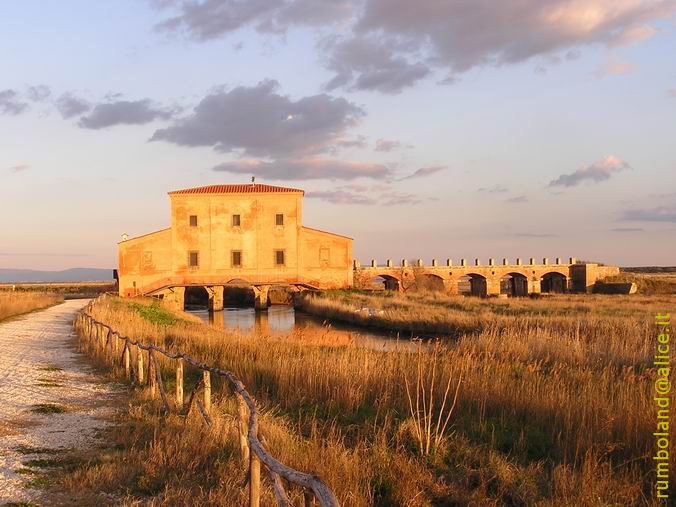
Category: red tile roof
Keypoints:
(240, 188)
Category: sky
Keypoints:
(427, 129)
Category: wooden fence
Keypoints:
(101, 340)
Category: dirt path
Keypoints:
(51, 401)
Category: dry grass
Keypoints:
(554, 407)
(16, 303)
(648, 283)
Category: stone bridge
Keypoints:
(173, 289)
(478, 279)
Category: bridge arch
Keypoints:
(514, 284)
(553, 282)
(238, 282)
(473, 284)
(196, 296)
(384, 281)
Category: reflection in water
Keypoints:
(280, 320)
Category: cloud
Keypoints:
(18, 168)
(390, 45)
(309, 12)
(495, 189)
(366, 64)
(462, 34)
(11, 103)
(365, 196)
(71, 106)
(342, 197)
(258, 121)
(400, 198)
(387, 146)
(628, 229)
(658, 214)
(123, 112)
(425, 171)
(209, 19)
(634, 34)
(600, 170)
(517, 200)
(613, 67)
(307, 168)
(357, 142)
(38, 93)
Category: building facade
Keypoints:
(243, 234)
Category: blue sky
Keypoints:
(460, 129)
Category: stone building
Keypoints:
(242, 234)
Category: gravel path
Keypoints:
(41, 374)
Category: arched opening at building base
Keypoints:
(383, 282)
(196, 298)
(473, 285)
(514, 285)
(553, 283)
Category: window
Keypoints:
(279, 219)
(235, 221)
(236, 259)
(193, 220)
(279, 257)
(194, 259)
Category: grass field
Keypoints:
(16, 303)
(554, 406)
(69, 290)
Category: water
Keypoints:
(283, 320)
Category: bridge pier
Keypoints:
(261, 296)
(451, 285)
(534, 286)
(215, 297)
(493, 286)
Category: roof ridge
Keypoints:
(236, 188)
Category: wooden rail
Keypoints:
(103, 341)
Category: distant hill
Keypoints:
(67, 275)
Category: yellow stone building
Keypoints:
(241, 234)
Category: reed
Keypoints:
(554, 406)
(14, 303)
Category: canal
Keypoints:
(283, 320)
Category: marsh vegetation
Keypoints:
(553, 405)
(14, 303)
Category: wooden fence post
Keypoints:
(127, 361)
(206, 376)
(97, 340)
(109, 346)
(254, 481)
(308, 498)
(179, 384)
(160, 384)
(100, 342)
(152, 367)
(243, 426)
(116, 350)
(139, 358)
